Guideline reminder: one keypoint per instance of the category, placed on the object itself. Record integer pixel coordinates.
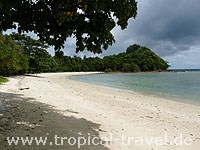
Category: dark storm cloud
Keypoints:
(165, 26)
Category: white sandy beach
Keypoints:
(120, 114)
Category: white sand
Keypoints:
(121, 113)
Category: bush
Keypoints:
(107, 70)
(3, 80)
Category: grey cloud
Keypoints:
(70, 49)
(164, 26)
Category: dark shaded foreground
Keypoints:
(24, 117)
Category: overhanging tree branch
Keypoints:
(90, 21)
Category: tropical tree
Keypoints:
(90, 21)
(39, 59)
(12, 58)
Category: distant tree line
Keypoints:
(20, 54)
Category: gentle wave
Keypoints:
(181, 86)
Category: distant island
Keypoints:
(20, 54)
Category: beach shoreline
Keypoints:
(117, 112)
(163, 96)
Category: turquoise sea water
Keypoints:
(181, 86)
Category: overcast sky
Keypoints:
(171, 28)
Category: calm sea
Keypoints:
(181, 86)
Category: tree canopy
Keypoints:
(36, 52)
(136, 58)
(90, 21)
(12, 57)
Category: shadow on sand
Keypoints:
(24, 117)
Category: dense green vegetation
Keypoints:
(90, 21)
(12, 57)
(3, 80)
(136, 58)
(39, 59)
(20, 54)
